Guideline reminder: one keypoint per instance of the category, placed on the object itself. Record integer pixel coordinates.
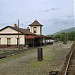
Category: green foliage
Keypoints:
(72, 36)
(65, 36)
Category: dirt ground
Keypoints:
(27, 63)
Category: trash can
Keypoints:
(40, 53)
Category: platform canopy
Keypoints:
(33, 36)
(37, 36)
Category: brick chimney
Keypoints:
(15, 25)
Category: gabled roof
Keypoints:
(35, 23)
(23, 31)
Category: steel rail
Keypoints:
(68, 63)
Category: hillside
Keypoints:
(65, 31)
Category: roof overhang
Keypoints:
(33, 36)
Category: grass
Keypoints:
(27, 64)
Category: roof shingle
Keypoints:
(23, 31)
(35, 23)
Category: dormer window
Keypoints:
(35, 29)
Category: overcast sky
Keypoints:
(55, 15)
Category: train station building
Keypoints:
(13, 36)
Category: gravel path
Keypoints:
(29, 65)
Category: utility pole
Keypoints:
(18, 36)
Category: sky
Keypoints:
(54, 15)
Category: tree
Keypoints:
(65, 36)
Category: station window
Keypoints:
(35, 29)
(8, 41)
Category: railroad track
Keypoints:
(69, 65)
